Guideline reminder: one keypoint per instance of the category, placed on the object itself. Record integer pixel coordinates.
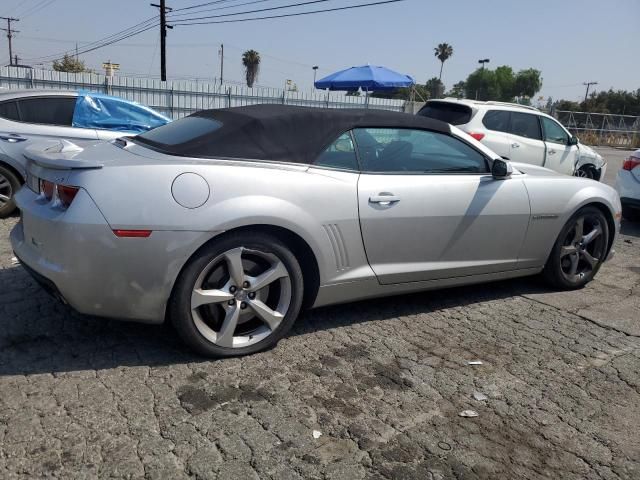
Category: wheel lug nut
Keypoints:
(246, 285)
(233, 289)
(252, 295)
(243, 305)
(231, 302)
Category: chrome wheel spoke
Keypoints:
(270, 317)
(567, 250)
(579, 230)
(276, 272)
(589, 259)
(234, 262)
(201, 297)
(4, 198)
(224, 337)
(592, 235)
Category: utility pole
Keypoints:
(221, 62)
(10, 34)
(315, 71)
(163, 38)
(588, 84)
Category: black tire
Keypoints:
(586, 171)
(8, 177)
(631, 214)
(180, 312)
(553, 272)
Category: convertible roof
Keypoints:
(281, 132)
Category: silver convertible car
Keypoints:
(228, 222)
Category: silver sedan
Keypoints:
(228, 222)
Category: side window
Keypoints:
(554, 132)
(340, 154)
(497, 120)
(9, 110)
(525, 125)
(415, 151)
(48, 110)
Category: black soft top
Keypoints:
(281, 133)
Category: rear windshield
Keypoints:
(179, 132)
(453, 113)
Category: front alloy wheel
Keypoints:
(580, 250)
(244, 294)
(9, 185)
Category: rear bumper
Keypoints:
(75, 255)
(628, 188)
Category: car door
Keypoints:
(430, 209)
(525, 137)
(33, 119)
(561, 156)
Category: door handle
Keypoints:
(384, 199)
(551, 152)
(515, 145)
(12, 138)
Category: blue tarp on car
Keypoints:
(96, 110)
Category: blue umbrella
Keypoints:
(367, 77)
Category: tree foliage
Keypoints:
(70, 64)
(502, 84)
(251, 63)
(434, 87)
(443, 52)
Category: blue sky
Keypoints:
(570, 41)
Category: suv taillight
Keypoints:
(631, 163)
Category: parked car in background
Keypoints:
(29, 116)
(628, 186)
(521, 134)
(229, 221)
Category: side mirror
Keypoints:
(573, 140)
(501, 169)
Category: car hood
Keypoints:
(535, 170)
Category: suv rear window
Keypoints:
(9, 110)
(453, 113)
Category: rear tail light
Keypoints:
(631, 163)
(47, 188)
(477, 136)
(63, 193)
(66, 194)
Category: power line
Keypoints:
(362, 5)
(141, 27)
(280, 7)
(173, 15)
(191, 7)
(36, 8)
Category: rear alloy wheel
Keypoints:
(9, 185)
(579, 251)
(238, 296)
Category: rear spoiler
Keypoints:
(59, 155)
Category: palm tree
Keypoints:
(443, 51)
(251, 62)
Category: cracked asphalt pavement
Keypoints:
(384, 382)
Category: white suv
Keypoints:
(519, 133)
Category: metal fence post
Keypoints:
(228, 97)
(171, 101)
